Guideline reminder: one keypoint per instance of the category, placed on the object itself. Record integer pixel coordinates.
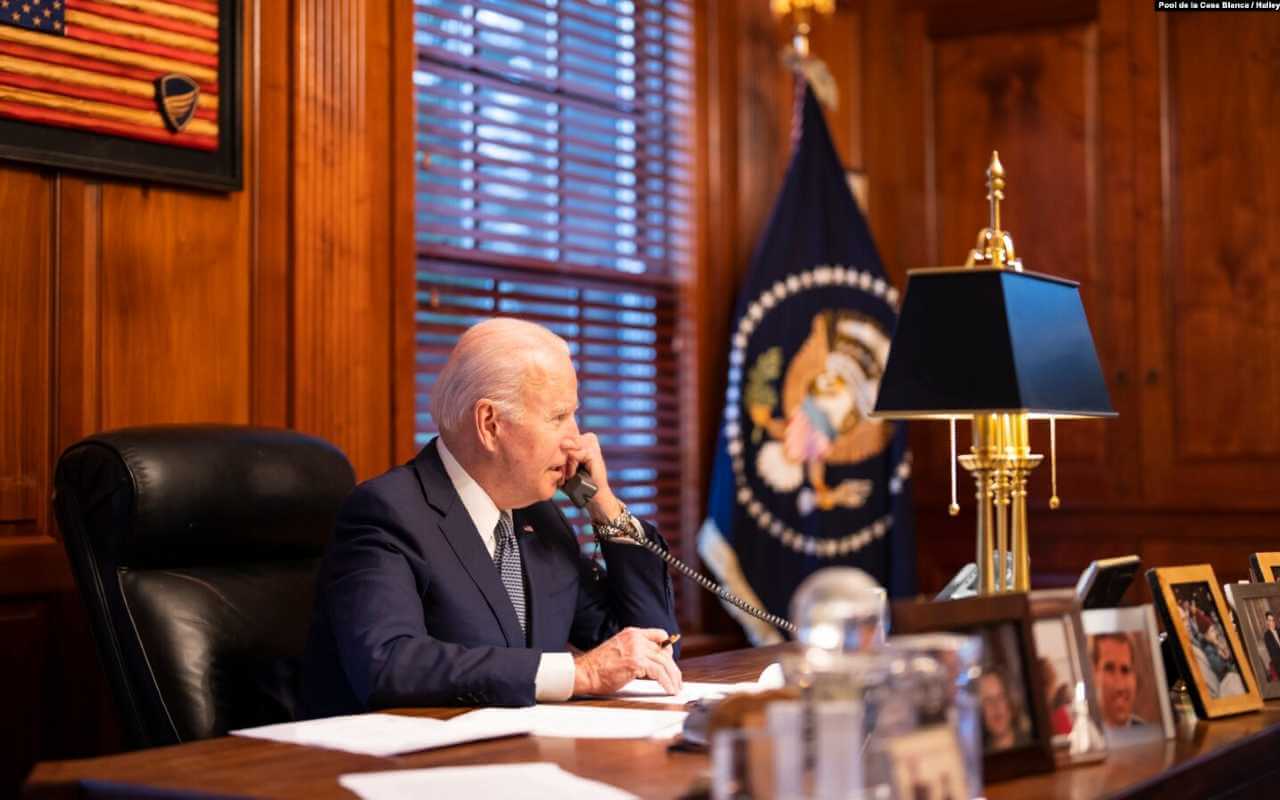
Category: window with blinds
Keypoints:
(553, 184)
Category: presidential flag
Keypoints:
(803, 477)
(140, 69)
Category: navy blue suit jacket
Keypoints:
(411, 611)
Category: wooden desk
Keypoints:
(1206, 758)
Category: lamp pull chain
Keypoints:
(954, 508)
(1054, 501)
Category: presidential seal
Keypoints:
(799, 425)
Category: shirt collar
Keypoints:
(480, 507)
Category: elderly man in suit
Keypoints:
(453, 580)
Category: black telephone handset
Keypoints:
(580, 488)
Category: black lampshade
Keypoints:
(992, 340)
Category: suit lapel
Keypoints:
(461, 534)
(534, 557)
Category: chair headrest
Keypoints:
(176, 495)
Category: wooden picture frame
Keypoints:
(1150, 690)
(1264, 567)
(1058, 631)
(1252, 602)
(1209, 660)
(999, 618)
(87, 106)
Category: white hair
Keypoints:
(492, 360)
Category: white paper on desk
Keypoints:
(385, 734)
(771, 677)
(584, 722)
(648, 691)
(537, 781)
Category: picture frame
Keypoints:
(162, 105)
(1015, 724)
(1111, 634)
(927, 763)
(1264, 567)
(1257, 612)
(1207, 650)
(1062, 656)
(1105, 581)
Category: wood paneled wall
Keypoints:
(1138, 148)
(1138, 152)
(128, 304)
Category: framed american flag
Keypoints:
(136, 88)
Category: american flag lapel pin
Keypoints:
(526, 528)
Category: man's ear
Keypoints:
(487, 424)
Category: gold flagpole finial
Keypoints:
(802, 12)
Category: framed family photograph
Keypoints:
(1264, 567)
(1075, 718)
(1210, 658)
(1257, 608)
(1015, 727)
(1128, 674)
(927, 764)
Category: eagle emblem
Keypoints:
(828, 392)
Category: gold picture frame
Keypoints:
(1210, 657)
(1264, 567)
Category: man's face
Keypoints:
(1117, 683)
(1271, 622)
(533, 448)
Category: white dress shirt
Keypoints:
(554, 680)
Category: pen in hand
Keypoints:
(670, 640)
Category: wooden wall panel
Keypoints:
(1029, 91)
(175, 306)
(342, 236)
(1226, 194)
(269, 154)
(1137, 146)
(130, 304)
(24, 630)
(24, 359)
(1215, 370)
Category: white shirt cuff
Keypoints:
(553, 682)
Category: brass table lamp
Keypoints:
(1000, 346)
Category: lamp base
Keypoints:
(965, 582)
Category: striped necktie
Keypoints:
(506, 557)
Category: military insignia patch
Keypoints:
(177, 96)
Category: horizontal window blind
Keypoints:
(553, 184)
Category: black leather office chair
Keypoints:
(195, 550)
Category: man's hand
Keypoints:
(585, 449)
(632, 653)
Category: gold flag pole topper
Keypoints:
(797, 57)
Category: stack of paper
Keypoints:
(538, 781)
(652, 692)
(582, 722)
(387, 734)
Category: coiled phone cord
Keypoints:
(711, 586)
